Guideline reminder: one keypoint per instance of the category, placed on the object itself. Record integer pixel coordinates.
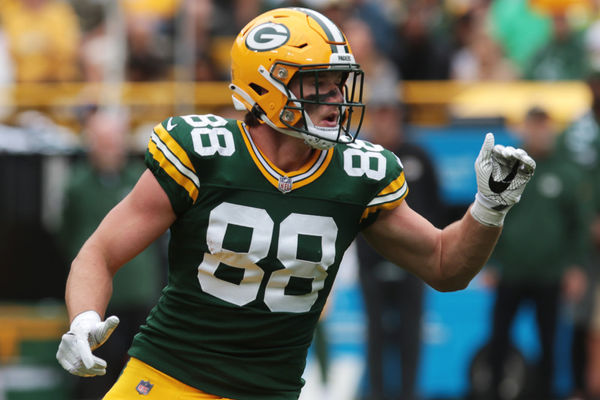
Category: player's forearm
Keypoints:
(89, 285)
(465, 248)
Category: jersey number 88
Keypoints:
(262, 225)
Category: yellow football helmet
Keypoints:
(300, 43)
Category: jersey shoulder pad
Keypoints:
(178, 146)
(184, 128)
(370, 161)
(378, 168)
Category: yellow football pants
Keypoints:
(141, 381)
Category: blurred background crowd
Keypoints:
(82, 82)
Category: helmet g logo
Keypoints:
(267, 36)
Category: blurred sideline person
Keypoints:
(394, 297)
(95, 186)
(260, 214)
(554, 60)
(43, 37)
(580, 144)
(538, 257)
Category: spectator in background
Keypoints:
(195, 30)
(478, 57)
(96, 55)
(372, 61)
(148, 25)
(420, 52)
(338, 11)
(7, 74)
(43, 38)
(540, 254)
(94, 187)
(90, 14)
(378, 16)
(128, 40)
(580, 144)
(394, 297)
(562, 58)
(520, 29)
(591, 41)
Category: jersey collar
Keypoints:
(287, 181)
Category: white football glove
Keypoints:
(87, 333)
(502, 173)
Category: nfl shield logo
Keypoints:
(144, 387)
(285, 184)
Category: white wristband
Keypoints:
(482, 210)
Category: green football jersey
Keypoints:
(253, 253)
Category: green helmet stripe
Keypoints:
(334, 34)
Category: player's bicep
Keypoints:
(407, 239)
(133, 224)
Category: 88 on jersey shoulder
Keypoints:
(209, 135)
(364, 158)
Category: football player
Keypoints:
(260, 213)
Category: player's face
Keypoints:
(329, 85)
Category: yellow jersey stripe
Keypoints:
(316, 170)
(292, 174)
(174, 147)
(309, 172)
(173, 167)
(387, 200)
(394, 185)
(274, 181)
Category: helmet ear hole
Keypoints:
(258, 89)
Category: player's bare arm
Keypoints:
(130, 227)
(138, 220)
(448, 259)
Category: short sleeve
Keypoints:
(392, 191)
(168, 159)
